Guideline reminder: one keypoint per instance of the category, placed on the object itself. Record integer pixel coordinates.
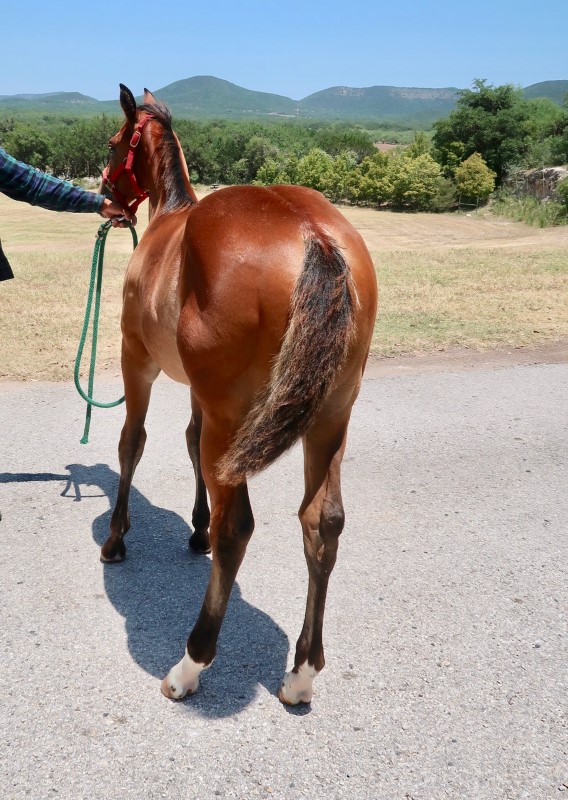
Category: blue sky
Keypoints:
(291, 48)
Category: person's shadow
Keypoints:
(159, 589)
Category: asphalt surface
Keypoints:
(446, 628)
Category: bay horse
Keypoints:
(263, 301)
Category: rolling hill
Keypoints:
(206, 97)
(53, 101)
(554, 90)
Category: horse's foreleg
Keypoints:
(231, 527)
(322, 518)
(139, 373)
(199, 540)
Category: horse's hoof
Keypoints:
(296, 687)
(113, 554)
(199, 543)
(170, 690)
(181, 680)
(289, 699)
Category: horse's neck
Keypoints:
(171, 187)
(185, 169)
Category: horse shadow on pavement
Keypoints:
(158, 590)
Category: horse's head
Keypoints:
(122, 177)
(129, 175)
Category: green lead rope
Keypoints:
(95, 288)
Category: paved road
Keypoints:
(446, 632)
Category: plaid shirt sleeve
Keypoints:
(22, 182)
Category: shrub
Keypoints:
(370, 182)
(445, 197)
(315, 170)
(272, 172)
(562, 191)
(416, 182)
(474, 179)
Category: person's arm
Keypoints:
(22, 182)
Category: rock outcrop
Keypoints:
(540, 183)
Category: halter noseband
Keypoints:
(126, 166)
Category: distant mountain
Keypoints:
(203, 97)
(54, 101)
(555, 90)
(385, 102)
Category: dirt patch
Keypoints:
(386, 147)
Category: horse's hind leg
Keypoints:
(232, 525)
(322, 518)
(139, 374)
(199, 540)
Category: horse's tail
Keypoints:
(320, 329)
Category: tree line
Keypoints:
(491, 131)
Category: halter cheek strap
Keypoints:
(126, 166)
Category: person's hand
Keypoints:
(118, 215)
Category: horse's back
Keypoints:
(264, 214)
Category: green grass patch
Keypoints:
(530, 210)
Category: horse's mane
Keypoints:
(173, 172)
(160, 111)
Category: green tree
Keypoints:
(419, 146)
(416, 182)
(559, 137)
(548, 123)
(257, 150)
(336, 140)
(272, 172)
(492, 121)
(28, 143)
(316, 171)
(81, 149)
(6, 125)
(474, 179)
(338, 177)
(200, 155)
(371, 181)
(562, 191)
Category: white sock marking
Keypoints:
(297, 686)
(183, 678)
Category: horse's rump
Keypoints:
(319, 331)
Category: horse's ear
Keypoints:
(149, 97)
(127, 103)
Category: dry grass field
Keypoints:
(470, 280)
(449, 279)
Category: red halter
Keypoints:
(126, 166)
